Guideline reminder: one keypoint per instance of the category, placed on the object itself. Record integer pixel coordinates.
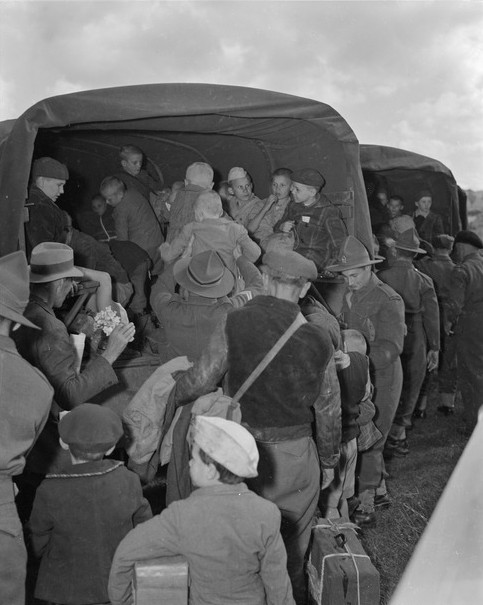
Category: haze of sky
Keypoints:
(403, 74)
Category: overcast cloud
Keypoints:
(404, 74)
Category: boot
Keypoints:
(447, 404)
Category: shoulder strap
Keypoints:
(297, 322)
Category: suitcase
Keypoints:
(339, 570)
(162, 581)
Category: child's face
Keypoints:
(132, 165)
(394, 207)
(424, 204)
(281, 186)
(242, 189)
(198, 469)
(99, 206)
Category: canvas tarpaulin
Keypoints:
(176, 124)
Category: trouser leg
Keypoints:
(370, 467)
(13, 557)
(289, 476)
(413, 361)
(138, 279)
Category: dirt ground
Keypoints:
(415, 484)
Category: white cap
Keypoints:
(236, 173)
(228, 443)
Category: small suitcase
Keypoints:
(339, 570)
(162, 581)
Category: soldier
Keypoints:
(25, 398)
(465, 318)
(422, 323)
(374, 309)
(279, 408)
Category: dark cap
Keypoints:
(468, 237)
(308, 176)
(49, 168)
(91, 428)
(290, 262)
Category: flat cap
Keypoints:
(228, 443)
(468, 237)
(91, 428)
(308, 176)
(49, 168)
(290, 262)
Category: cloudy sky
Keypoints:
(404, 74)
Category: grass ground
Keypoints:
(415, 484)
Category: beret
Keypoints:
(308, 176)
(91, 428)
(228, 443)
(468, 237)
(49, 168)
(290, 262)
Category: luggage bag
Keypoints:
(339, 570)
(162, 581)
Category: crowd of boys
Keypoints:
(228, 276)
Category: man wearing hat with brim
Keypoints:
(190, 298)
(25, 400)
(464, 317)
(243, 204)
(280, 406)
(315, 222)
(50, 350)
(422, 339)
(47, 222)
(438, 267)
(374, 309)
(198, 178)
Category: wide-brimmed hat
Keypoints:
(409, 240)
(14, 288)
(50, 261)
(228, 443)
(352, 255)
(204, 274)
(290, 262)
(49, 168)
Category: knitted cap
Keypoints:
(49, 168)
(308, 176)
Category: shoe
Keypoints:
(420, 414)
(382, 501)
(364, 519)
(396, 447)
(445, 410)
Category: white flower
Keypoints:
(106, 320)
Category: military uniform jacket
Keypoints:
(417, 291)
(378, 312)
(466, 288)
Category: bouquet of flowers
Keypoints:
(106, 320)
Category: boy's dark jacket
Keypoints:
(78, 519)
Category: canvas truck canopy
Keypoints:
(175, 125)
(405, 173)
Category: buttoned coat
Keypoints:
(78, 519)
(231, 539)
